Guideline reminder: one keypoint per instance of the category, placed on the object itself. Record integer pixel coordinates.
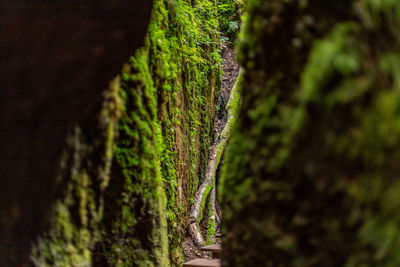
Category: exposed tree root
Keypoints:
(212, 217)
(208, 185)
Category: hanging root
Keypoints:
(208, 184)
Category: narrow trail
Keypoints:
(228, 79)
(198, 226)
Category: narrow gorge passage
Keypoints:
(124, 144)
(202, 228)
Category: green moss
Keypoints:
(69, 240)
(211, 212)
(233, 107)
(131, 180)
(203, 203)
(310, 173)
(183, 61)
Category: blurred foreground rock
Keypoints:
(56, 59)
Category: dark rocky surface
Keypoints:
(56, 59)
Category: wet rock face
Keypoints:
(56, 58)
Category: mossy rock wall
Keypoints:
(311, 173)
(128, 182)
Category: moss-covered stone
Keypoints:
(310, 178)
(130, 181)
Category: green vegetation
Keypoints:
(75, 221)
(310, 175)
(229, 12)
(207, 191)
(314, 184)
(131, 181)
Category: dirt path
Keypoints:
(231, 72)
